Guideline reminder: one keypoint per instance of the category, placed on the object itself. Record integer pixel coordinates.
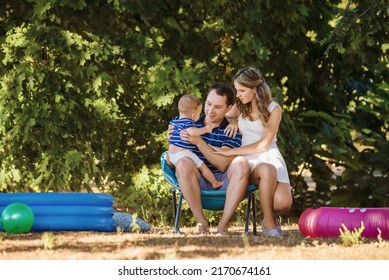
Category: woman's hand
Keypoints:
(220, 151)
(231, 130)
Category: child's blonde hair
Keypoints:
(188, 104)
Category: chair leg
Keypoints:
(177, 215)
(253, 205)
(251, 212)
(174, 201)
(248, 212)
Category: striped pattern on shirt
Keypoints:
(181, 124)
(217, 138)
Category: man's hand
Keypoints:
(169, 132)
(195, 140)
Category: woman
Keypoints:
(258, 116)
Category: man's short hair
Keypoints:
(226, 90)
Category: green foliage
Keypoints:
(87, 89)
(49, 240)
(148, 197)
(349, 238)
(134, 227)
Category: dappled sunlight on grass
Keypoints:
(163, 244)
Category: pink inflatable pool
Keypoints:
(326, 221)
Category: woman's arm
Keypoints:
(232, 117)
(269, 132)
(233, 113)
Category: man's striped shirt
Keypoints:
(216, 138)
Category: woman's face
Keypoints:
(244, 94)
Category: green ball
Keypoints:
(17, 218)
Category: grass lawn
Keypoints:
(163, 244)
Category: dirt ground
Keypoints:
(163, 244)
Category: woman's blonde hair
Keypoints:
(252, 78)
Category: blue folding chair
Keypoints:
(211, 200)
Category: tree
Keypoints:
(88, 88)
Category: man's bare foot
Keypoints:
(222, 231)
(202, 229)
(217, 184)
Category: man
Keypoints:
(233, 171)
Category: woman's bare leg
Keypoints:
(265, 177)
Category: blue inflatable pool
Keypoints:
(66, 211)
(66, 198)
(70, 210)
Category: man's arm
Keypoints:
(169, 134)
(219, 161)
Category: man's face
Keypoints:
(215, 108)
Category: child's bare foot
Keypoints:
(217, 184)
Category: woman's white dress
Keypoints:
(252, 132)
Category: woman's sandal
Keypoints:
(273, 232)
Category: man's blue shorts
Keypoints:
(206, 186)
